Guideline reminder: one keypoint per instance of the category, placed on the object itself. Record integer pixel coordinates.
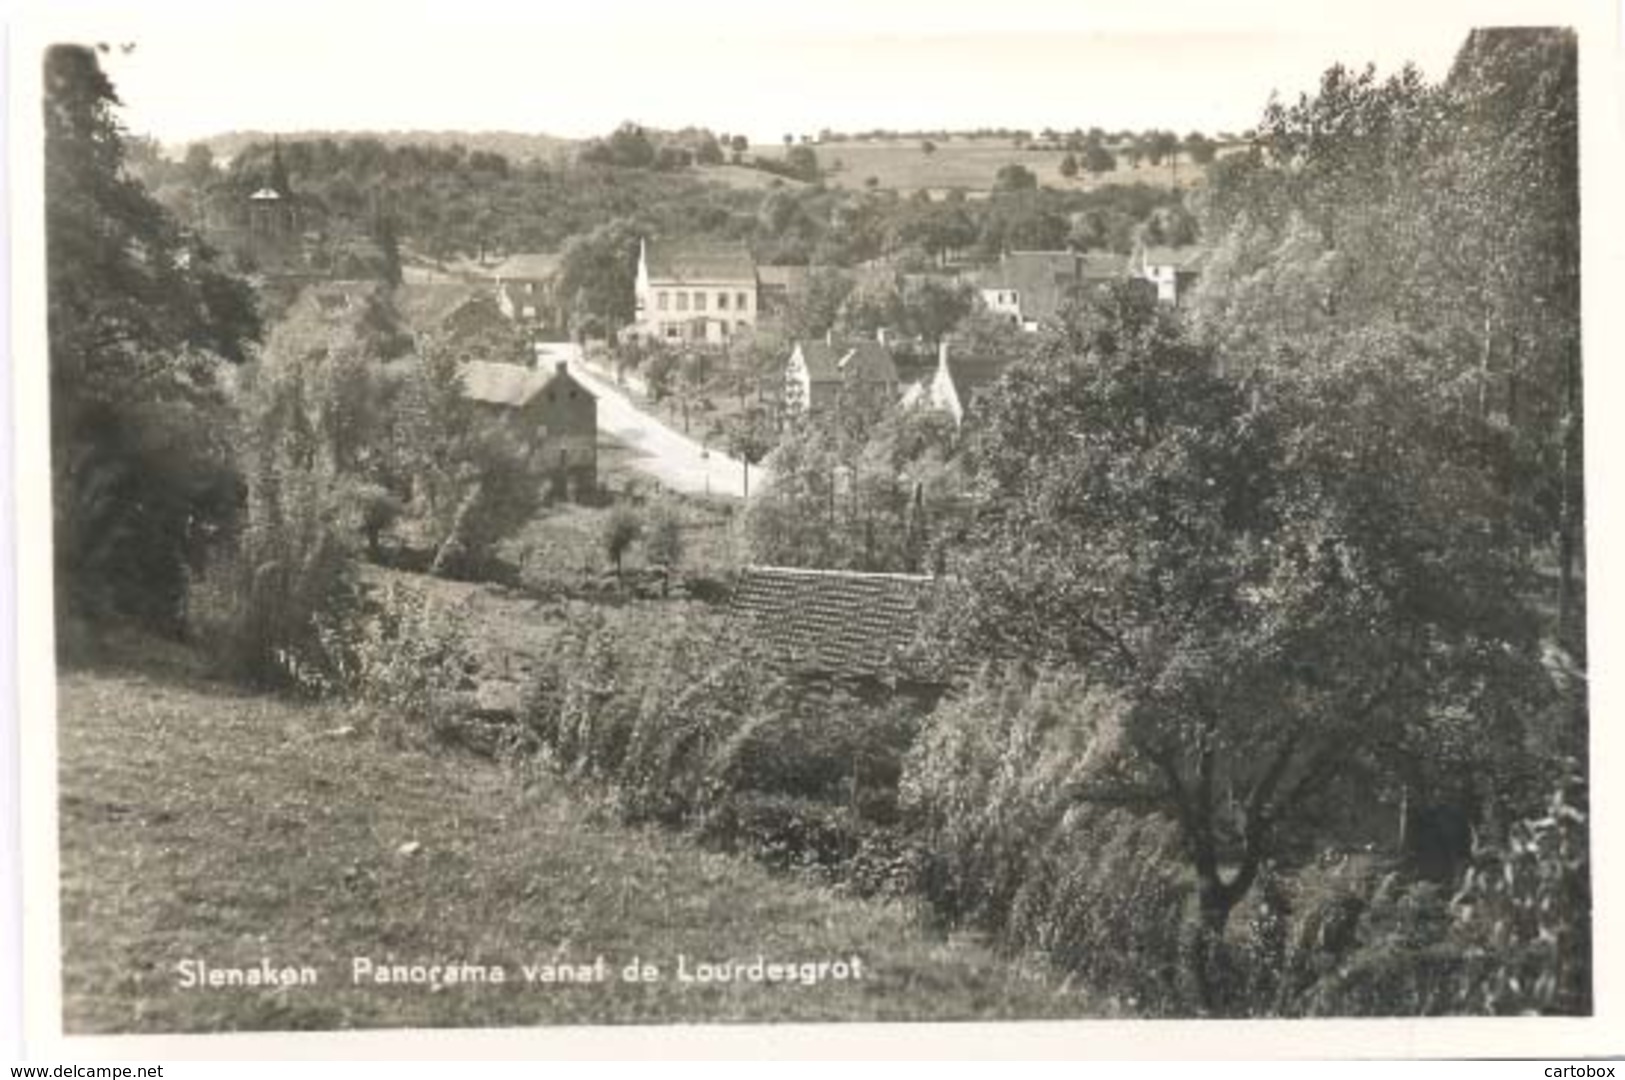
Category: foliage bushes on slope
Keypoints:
(690, 727)
(1005, 790)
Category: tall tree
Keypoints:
(1271, 598)
(141, 320)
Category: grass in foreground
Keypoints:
(197, 823)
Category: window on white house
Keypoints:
(699, 301)
(742, 301)
(671, 331)
(722, 301)
(682, 301)
(661, 300)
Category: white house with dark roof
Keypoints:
(1029, 287)
(819, 373)
(693, 292)
(959, 379)
(1172, 270)
(524, 286)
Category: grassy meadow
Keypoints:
(200, 823)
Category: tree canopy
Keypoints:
(142, 320)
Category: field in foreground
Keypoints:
(200, 824)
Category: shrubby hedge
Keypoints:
(691, 728)
(991, 809)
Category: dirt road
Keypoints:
(670, 456)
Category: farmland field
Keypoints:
(972, 164)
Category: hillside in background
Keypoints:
(513, 145)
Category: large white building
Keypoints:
(695, 293)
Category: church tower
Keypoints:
(273, 217)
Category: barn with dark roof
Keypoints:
(556, 415)
(838, 624)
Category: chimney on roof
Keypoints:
(829, 337)
(942, 354)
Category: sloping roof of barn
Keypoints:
(834, 622)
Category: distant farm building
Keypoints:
(694, 293)
(555, 415)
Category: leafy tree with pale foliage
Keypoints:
(1270, 597)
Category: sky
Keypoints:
(765, 69)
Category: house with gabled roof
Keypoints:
(812, 378)
(555, 415)
(451, 311)
(960, 378)
(694, 292)
(1172, 270)
(839, 624)
(821, 374)
(525, 286)
(1030, 287)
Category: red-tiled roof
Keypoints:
(833, 622)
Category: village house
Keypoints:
(524, 287)
(820, 375)
(1173, 271)
(555, 415)
(837, 624)
(957, 381)
(1030, 287)
(448, 311)
(694, 293)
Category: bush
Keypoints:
(404, 657)
(689, 727)
(993, 774)
(1524, 913)
(255, 605)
